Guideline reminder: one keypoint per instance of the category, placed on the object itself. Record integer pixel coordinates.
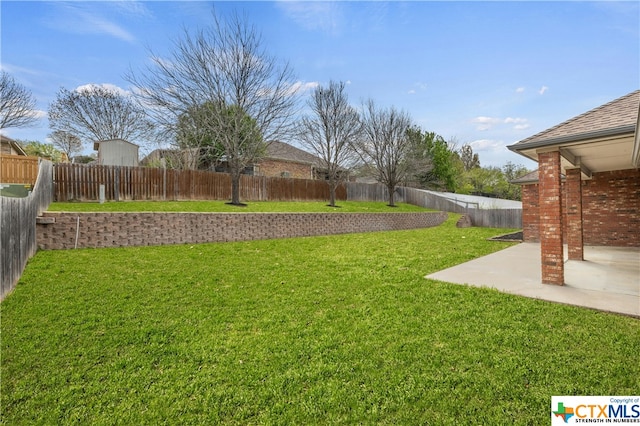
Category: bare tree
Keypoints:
(234, 93)
(469, 159)
(99, 112)
(330, 131)
(385, 144)
(66, 142)
(17, 104)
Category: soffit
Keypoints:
(600, 155)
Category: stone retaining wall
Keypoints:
(82, 230)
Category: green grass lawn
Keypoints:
(323, 330)
(222, 206)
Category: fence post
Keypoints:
(116, 189)
(164, 183)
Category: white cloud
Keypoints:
(84, 18)
(518, 122)
(317, 15)
(40, 113)
(542, 90)
(12, 69)
(300, 87)
(110, 87)
(487, 145)
(133, 8)
(520, 90)
(417, 86)
(485, 123)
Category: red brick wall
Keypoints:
(530, 213)
(610, 209)
(573, 214)
(274, 168)
(146, 229)
(550, 209)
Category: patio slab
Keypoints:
(608, 279)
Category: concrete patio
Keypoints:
(608, 279)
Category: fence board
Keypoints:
(81, 182)
(18, 227)
(18, 169)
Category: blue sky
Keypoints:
(484, 73)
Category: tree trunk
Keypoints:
(235, 189)
(332, 194)
(392, 190)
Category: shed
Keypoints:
(116, 152)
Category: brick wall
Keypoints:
(573, 214)
(550, 209)
(530, 213)
(274, 168)
(146, 229)
(610, 209)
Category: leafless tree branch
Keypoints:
(17, 104)
(385, 144)
(99, 113)
(226, 68)
(330, 131)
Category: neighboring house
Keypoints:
(284, 160)
(280, 160)
(587, 187)
(9, 146)
(116, 152)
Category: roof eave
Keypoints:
(635, 157)
(562, 140)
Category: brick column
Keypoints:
(551, 218)
(574, 214)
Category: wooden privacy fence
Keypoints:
(18, 169)
(18, 228)
(82, 183)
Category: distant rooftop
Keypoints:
(284, 151)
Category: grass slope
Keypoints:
(324, 330)
(222, 206)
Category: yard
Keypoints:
(323, 330)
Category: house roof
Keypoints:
(529, 178)
(283, 151)
(13, 143)
(601, 139)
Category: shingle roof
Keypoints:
(615, 116)
(283, 151)
(531, 177)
